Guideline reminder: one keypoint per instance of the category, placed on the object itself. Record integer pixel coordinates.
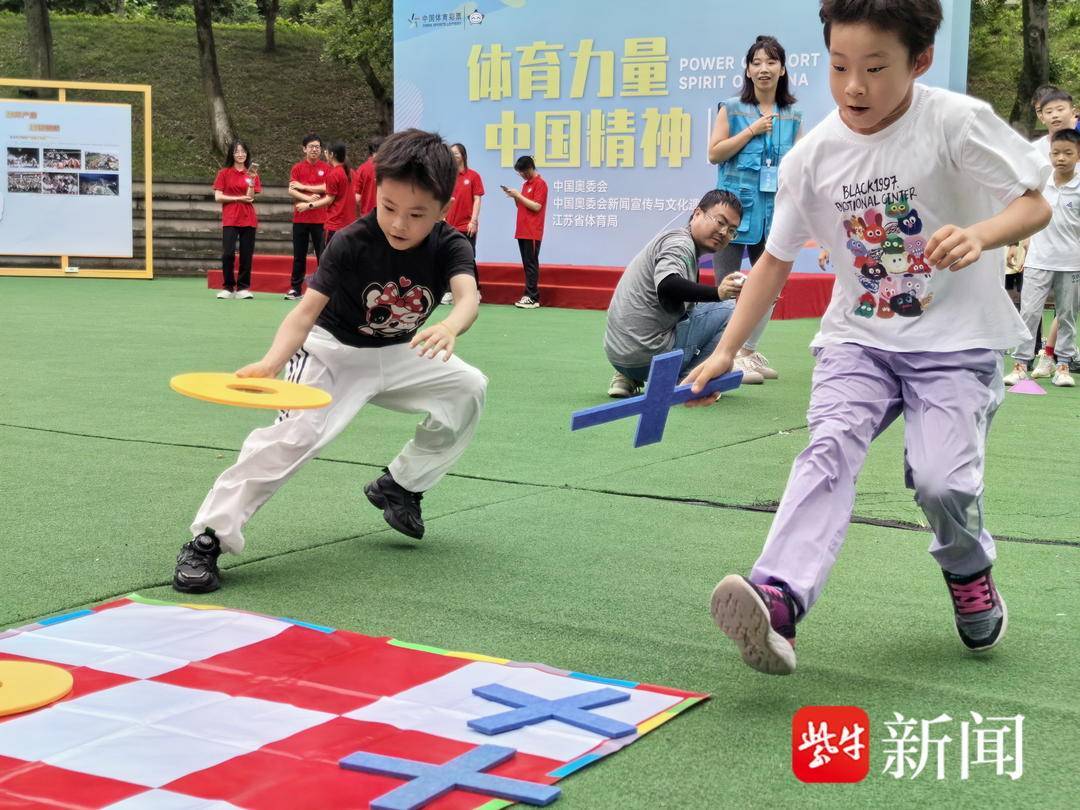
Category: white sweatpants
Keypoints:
(393, 377)
(1038, 284)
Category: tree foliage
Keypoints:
(363, 38)
(365, 34)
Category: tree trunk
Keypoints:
(271, 21)
(348, 5)
(39, 39)
(384, 101)
(221, 128)
(1036, 66)
(121, 8)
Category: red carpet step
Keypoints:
(806, 295)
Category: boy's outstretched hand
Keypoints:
(259, 369)
(434, 339)
(713, 366)
(953, 247)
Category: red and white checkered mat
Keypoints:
(187, 708)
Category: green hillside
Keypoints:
(273, 98)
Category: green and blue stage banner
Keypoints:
(614, 100)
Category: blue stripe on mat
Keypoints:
(581, 676)
(576, 765)
(308, 625)
(65, 617)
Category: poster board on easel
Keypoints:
(66, 188)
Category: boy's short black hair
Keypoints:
(1040, 93)
(916, 22)
(1056, 94)
(311, 136)
(719, 196)
(417, 157)
(1068, 134)
(524, 163)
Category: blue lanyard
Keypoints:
(769, 154)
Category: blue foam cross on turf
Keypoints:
(428, 782)
(529, 709)
(661, 392)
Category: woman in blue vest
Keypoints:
(752, 133)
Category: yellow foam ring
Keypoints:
(653, 722)
(26, 685)
(249, 392)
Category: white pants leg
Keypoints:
(452, 396)
(353, 377)
(1066, 300)
(1037, 284)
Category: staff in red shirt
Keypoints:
(531, 204)
(464, 213)
(364, 179)
(307, 185)
(235, 188)
(341, 210)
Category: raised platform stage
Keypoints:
(806, 295)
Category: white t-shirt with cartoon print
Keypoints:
(875, 200)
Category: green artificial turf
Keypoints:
(573, 549)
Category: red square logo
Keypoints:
(830, 744)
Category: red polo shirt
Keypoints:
(467, 188)
(342, 211)
(233, 183)
(364, 185)
(530, 224)
(310, 174)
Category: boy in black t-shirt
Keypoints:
(359, 335)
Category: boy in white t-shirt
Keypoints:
(1056, 110)
(918, 323)
(1053, 263)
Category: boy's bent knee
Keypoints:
(472, 383)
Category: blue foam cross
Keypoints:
(428, 782)
(530, 709)
(661, 392)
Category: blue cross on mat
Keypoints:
(661, 392)
(530, 709)
(428, 782)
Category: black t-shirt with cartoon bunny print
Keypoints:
(380, 295)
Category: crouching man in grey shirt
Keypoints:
(659, 305)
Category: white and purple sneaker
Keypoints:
(760, 619)
(980, 613)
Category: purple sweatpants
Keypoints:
(947, 399)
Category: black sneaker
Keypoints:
(400, 508)
(978, 610)
(196, 565)
(293, 295)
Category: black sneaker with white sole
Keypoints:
(401, 508)
(196, 565)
